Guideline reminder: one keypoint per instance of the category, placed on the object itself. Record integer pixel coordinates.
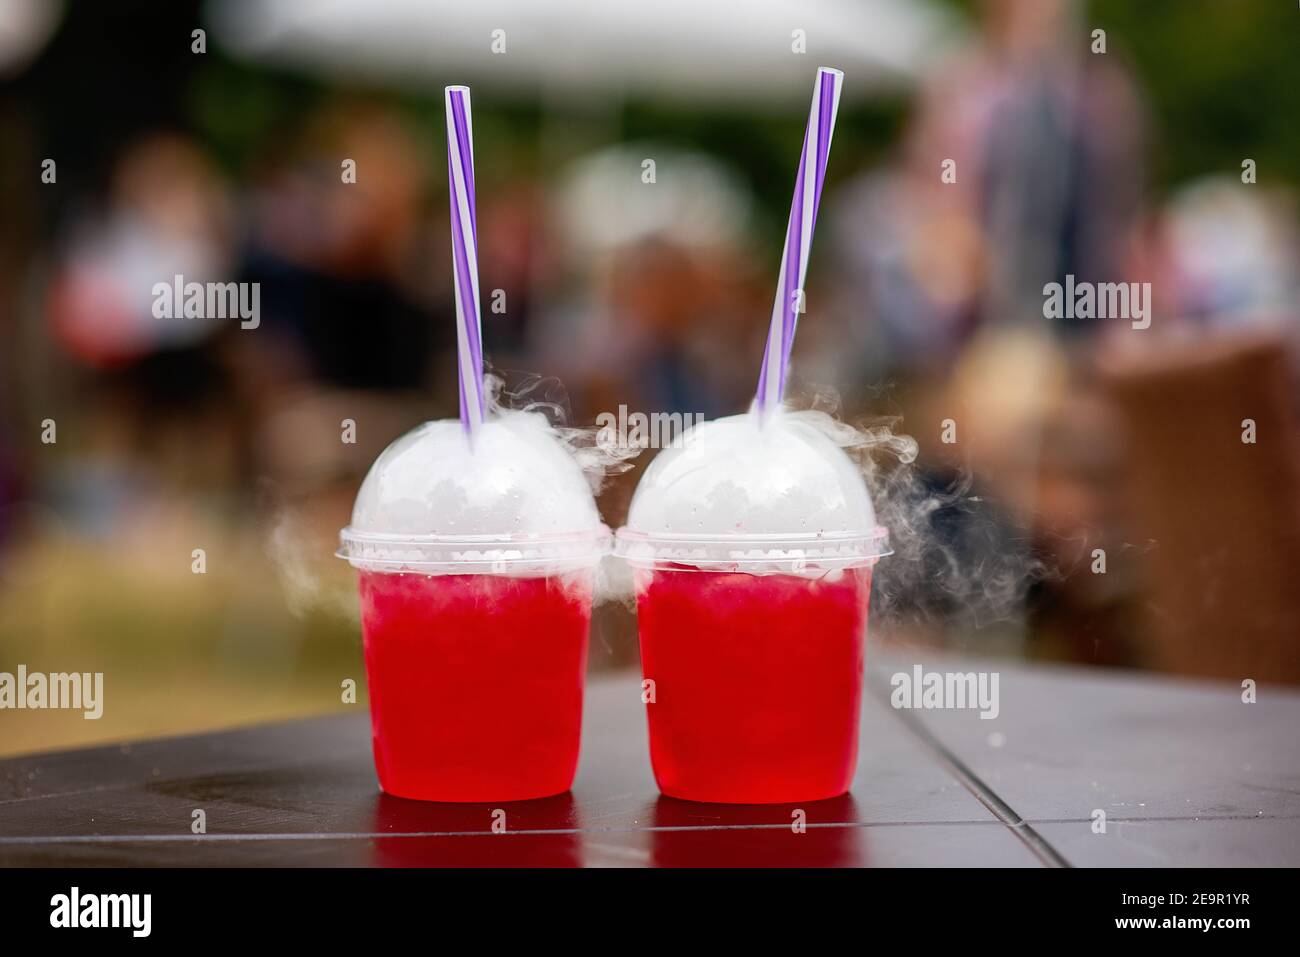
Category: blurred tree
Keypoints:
(1223, 81)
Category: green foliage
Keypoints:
(1222, 80)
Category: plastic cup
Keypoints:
(752, 547)
(476, 576)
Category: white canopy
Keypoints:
(712, 50)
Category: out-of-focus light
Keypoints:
(25, 27)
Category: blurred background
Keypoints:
(128, 441)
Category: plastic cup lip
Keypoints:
(786, 551)
(474, 554)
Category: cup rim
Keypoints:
(778, 551)
(474, 553)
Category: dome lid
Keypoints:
(515, 497)
(737, 492)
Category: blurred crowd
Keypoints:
(1021, 160)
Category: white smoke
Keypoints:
(955, 559)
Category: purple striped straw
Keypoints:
(798, 238)
(464, 257)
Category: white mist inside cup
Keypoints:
(514, 500)
(762, 496)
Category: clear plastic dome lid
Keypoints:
(514, 501)
(737, 493)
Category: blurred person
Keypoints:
(354, 268)
(336, 258)
(1022, 165)
(168, 212)
(348, 305)
(664, 287)
(1036, 192)
(1060, 165)
(660, 294)
(655, 303)
(940, 277)
(151, 383)
(1222, 259)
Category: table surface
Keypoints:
(1185, 772)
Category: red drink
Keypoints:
(758, 682)
(475, 682)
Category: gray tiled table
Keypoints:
(1186, 773)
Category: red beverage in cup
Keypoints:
(752, 545)
(468, 706)
(758, 682)
(477, 562)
